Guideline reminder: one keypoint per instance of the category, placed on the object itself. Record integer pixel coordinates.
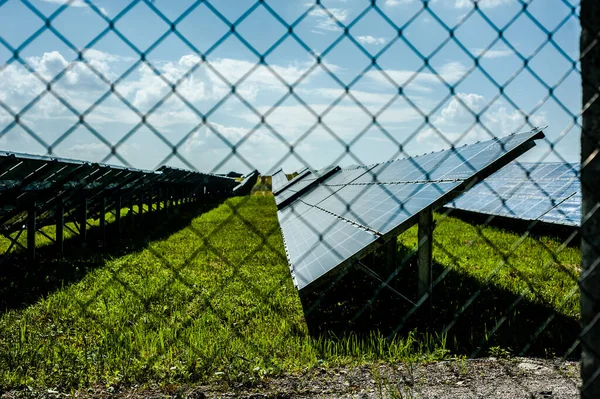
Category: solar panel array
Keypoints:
(332, 217)
(43, 185)
(548, 192)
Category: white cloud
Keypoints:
(455, 111)
(394, 3)
(233, 120)
(325, 22)
(93, 151)
(76, 3)
(481, 3)
(492, 53)
(450, 72)
(455, 119)
(377, 41)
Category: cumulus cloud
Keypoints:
(377, 41)
(233, 120)
(455, 119)
(456, 112)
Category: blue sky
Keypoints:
(373, 91)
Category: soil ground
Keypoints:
(490, 378)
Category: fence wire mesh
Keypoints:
(174, 282)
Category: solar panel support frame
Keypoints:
(103, 220)
(118, 205)
(31, 229)
(158, 199)
(141, 207)
(60, 226)
(83, 220)
(130, 219)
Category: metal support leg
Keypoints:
(150, 197)
(141, 207)
(169, 202)
(83, 220)
(60, 226)
(159, 198)
(118, 214)
(103, 220)
(425, 252)
(164, 197)
(390, 258)
(31, 230)
(130, 213)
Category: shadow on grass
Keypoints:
(24, 282)
(567, 234)
(473, 317)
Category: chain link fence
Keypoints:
(193, 286)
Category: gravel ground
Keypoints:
(490, 378)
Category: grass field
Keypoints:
(214, 301)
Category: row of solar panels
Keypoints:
(334, 216)
(41, 182)
(549, 192)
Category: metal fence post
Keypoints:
(590, 184)
(425, 252)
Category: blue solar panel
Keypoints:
(454, 164)
(289, 183)
(338, 218)
(317, 242)
(383, 207)
(308, 180)
(551, 193)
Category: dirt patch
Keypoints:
(481, 378)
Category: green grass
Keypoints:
(213, 301)
(541, 268)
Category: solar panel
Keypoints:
(330, 222)
(278, 180)
(549, 192)
(292, 182)
(308, 179)
(317, 241)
